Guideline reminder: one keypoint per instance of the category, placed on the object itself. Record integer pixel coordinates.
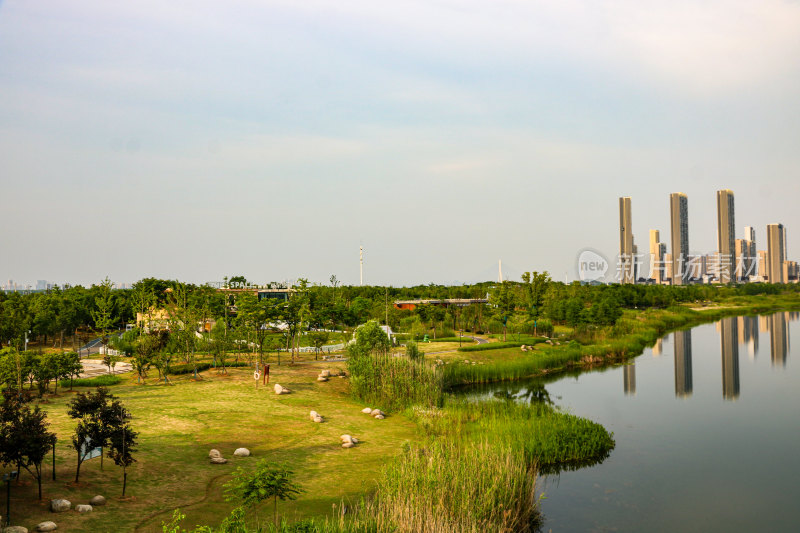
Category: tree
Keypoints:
(110, 360)
(91, 411)
(69, 366)
(318, 340)
(103, 315)
(145, 348)
(268, 480)
(256, 315)
(24, 439)
(502, 298)
(121, 439)
(536, 285)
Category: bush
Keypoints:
(99, 381)
(499, 345)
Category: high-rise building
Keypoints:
(775, 249)
(726, 234)
(626, 254)
(668, 267)
(682, 341)
(790, 271)
(679, 225)
(749, 233)
(762, 267)
(656, 255)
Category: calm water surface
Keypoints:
(707, 426)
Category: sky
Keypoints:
(195, 139)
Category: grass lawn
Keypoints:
(179, 424)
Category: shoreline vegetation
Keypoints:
(440, 462)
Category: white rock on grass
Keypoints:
(367, 411)
(281, 390)
(318, 419)
(379, 417)
(15, 529)
(82, 508)
(241, 452)
(325, 374)
(346, 438)
(214, 453)
(97, 500)
(348, 445)
(218, 460)
(376, 412)
(46, 526)
(59, 506)
(322, 378)
(313, 414)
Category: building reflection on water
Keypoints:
(629, 378)
(682, 341)
(778, 339)
(729, 346)
(748, 334)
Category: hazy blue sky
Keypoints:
(195, 139)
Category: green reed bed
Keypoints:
(393, 383)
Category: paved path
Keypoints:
(93, 368)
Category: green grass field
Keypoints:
(179, 424)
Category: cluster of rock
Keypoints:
(281, 390)
(348, 441)
(61, 505)
(217, 459)
(324, 375)
(526, 348)
(374, 413)
(315, 417)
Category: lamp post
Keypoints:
(8, 478)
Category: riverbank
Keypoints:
(633, 332)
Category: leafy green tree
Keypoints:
(504, 303)
(90, 409)
(256, 315)
(103, 315)
(24, 436)
(318, 340)
(122, 439)
(267, 480)
(536, 285)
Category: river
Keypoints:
(707, 430)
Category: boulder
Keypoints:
(281, 390)
(59, 506)
(325, 374)
(97, 500)
(322, 378)
(366, 411)
(214, 453)
(47, 526)
(379, 417)
(348, 445)
(376, 412)
(83, 508)
(313, 414)
(218, 460)
(241, 452)
(524, 348)
(354, 440)
(317, 419)
(346, 438)
(15, 529)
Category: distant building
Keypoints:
(762, 273)
(679, 226)
(626, 253)
(657, 251)
(775, 252)
(726, 234)
(446, 302)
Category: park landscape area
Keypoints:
(436, 462)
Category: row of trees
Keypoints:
(18, 368)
